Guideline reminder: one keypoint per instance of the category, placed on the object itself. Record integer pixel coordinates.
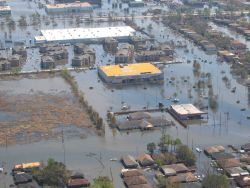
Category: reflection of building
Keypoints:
(130, 73)
(186, 111)
(69, 8)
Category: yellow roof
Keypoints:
(130, 69)
(28, 165)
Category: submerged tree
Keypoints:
(102, 182)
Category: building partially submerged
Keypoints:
(125, 54)
(87, 35)
(130, 73)
(76, 7)
(145, 160)
(129, 161)
(186, 111)
(5, 10)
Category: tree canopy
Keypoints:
(186, 155)
(102, 182)
(215, 181)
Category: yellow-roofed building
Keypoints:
(130, 73)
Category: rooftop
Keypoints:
(4, 8)
(186, 109)
(68, 5)
(130, 69)
(51, 35)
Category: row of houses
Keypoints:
(233, 162)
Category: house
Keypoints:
(236, 171)
(221, 156)
(15, 60)
(139, 116)
(178, 168)
(228, 56)
(131, 173)
(237, 45)
(213, 149)
(228, 163)
(5, 65)
(243, 181)
(129, 161)
(145, 160)
(78, 183)
(183, 178)
(135, 180)
(85, 60)
(149, 55)
(168, 171)
(246, 147)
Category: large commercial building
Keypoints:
(90, 35)
(130, 73)
(76, 7)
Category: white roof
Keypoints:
(86, 33)
(186, 109)
(68, 5)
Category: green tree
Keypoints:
(102, 182)
(54, 174)
(215, 181)
(186, 155)
(151, 147)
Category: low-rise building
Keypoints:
(85, 60)
(130, 73)
(125, 54)
(15, 60)
(149, 55)
(186, 111)
(76, 7)
(110, 45)
(47, 62)
(5, 10)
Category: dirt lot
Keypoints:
(32, 117)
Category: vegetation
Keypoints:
(164, 183)
(94, 116)
(102, 182)
(186, 155)
(151, 147)
(54, 174)
(215, 181)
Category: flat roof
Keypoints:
(68, 5)
(130, 69)
(186, 109)
(86, 33)
(4, 8)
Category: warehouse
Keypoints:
(90, 35)
(186, 112)
(69, 8)
(130, 73)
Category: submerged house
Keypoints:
(145, 160)
(129, 161)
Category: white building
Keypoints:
(69, 8)
(73, 35)
(5, 10)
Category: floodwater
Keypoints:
(85, 154)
